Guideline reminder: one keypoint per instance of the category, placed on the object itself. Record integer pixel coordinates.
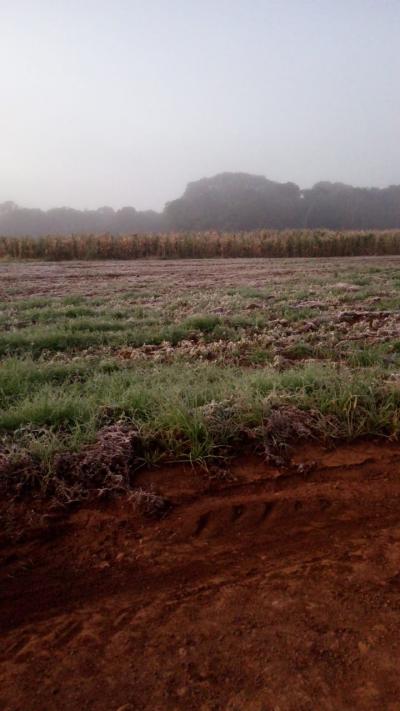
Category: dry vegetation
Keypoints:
(258, 243)
(109, 367)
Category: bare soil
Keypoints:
(262, 589)
(94, 278)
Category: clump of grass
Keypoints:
(250, 292)
(368, 356)
(285, 426)
(74, 300)
(300, 350)
(204, 323)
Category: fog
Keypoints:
(123, 103)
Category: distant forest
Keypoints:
(228, 202)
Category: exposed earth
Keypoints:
(260, 589)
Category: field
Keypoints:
(204, 245)
(199, 471)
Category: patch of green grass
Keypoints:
(55, 314)
(360, 280)
(256, 321)
(79, 312)
(300, 350)
(352, 297)
(34, 342)
(168, 402)
(74, 300)
(34, 303)
(259, 356)
(202, 322)
(388, 304)
(56, 409)
(297, 314)
(22, 377)
(250, 292)
(368, 356)
(97, 326)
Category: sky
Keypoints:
(117, 102)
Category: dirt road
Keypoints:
(262, 590)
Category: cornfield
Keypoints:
(261, 243)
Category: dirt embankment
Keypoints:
(260, 590)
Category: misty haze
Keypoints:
(229, 201)
(125, 104)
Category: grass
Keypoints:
(195, 373)
(169, 401)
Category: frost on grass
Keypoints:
(105, 465)
(287, 425)
(200, 358)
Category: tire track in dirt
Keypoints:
(268, 592)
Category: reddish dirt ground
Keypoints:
(266, 591)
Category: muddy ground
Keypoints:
(263, 590)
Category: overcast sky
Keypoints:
(117, 102)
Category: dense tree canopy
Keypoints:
(228, 201)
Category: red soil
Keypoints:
(265, 592)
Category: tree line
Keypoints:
(226, 202)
